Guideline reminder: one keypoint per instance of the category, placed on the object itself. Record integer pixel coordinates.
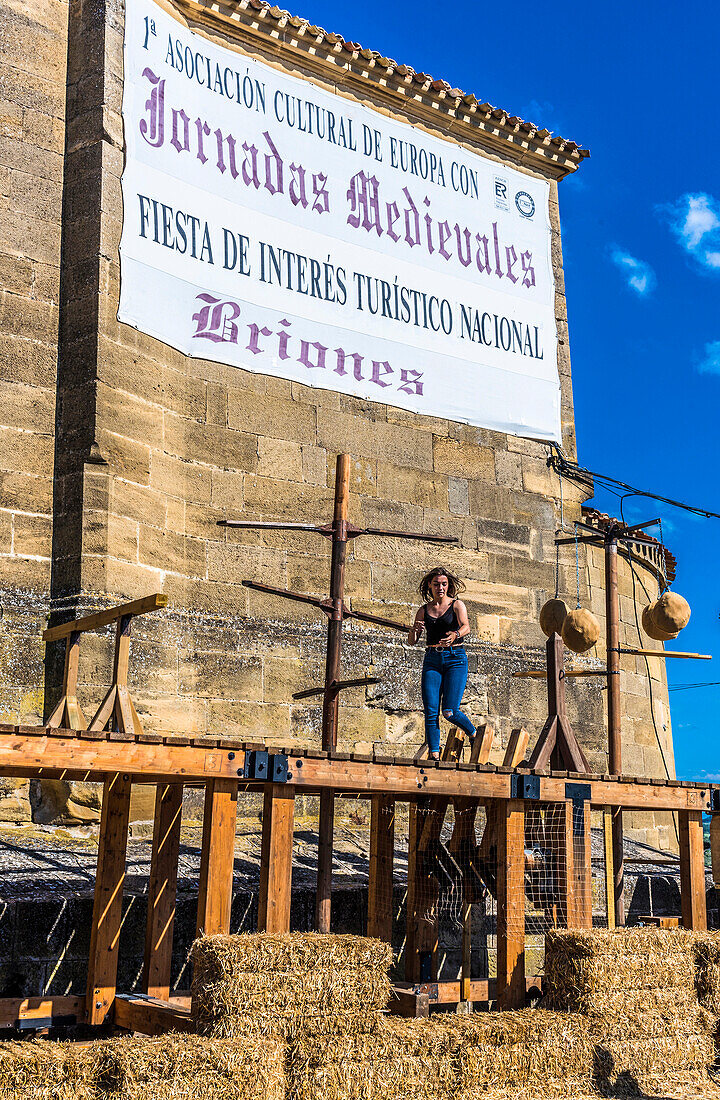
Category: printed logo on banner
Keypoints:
(500, 189)
(525, 204)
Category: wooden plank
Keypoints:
(380, 881)
(421, 937)
(715, 848)
(150, 1015)
(326, 832)
(217, 858)
(516, 748)
(162, 890)
(104, 618)
(449, 992)
(107, 906)
(510, 820)
(692, 871)
(276, 858)
(582, 867)
(16, 1011)
(403, 1002)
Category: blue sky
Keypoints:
(637, 85)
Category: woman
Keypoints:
(445, 669)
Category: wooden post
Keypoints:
(162, 890)
(692, 871)
(330, 697)
(510, 818)
(608, 868)
(276, 858)
(612, 625)
(382, 852)
(68, 712)
(107, 906)
(218, 857)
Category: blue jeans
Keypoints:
(444, 676)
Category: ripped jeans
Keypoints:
(444, 676)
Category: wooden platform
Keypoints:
(225, 766)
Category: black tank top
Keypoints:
(437, 628)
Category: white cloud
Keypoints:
(695, 220)
(710, 363)
(639, 276)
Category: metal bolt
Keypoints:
(231, 756)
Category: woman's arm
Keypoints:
(454, 636)
(417, 627)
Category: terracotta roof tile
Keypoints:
(441, 88)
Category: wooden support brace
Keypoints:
(421, 940)
(582, 866)
(68, 712)
(382, 851)
(107, 906)
(218, 857)
(276, 858)
(510, 821)
(692, 871)
(162, 890)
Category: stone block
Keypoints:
(503, 537)
(24, 360)
(221, 676)
(6, 525)
(216, 404)
(402, 483)
(189, 481)
(283, 677)
(276, 418)
(275, 499)
(163, 549)
(65, 802)
(185, 394)
(314, 465)
(362, 437)
(238, 562)
(269, 722)
(458, 496)
(466, 460)
(32, 536)
(15, 802)
(168, 715)
(280, 459)
(208, 443)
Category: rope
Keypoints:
(577, 565)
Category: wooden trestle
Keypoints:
(119, 759)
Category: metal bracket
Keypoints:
(525, 786)
(578, 792)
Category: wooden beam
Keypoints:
(36, 752)
(162, 890)
(380, 881)
(404, 1002)
(276, 858)
(104, 618)
(107, 906)
(421, 937)
(217, 858)
(150, 1015)
(692, 871)
(510, 824)
(40, 1011)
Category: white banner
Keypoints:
(283, 229)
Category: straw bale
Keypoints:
(297, 951)
(44, 1070)
(587, 969)
(447, 1056)
(188, 1067)
(281, 985)
(707, 970)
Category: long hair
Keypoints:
(455, 585)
